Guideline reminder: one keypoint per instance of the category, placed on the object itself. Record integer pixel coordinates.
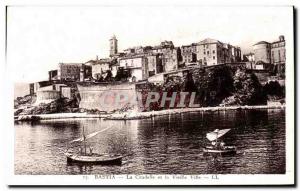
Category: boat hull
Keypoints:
(94, 159)
(228, 150)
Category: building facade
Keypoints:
(213, 52)
(155, 64)
(137, 65)
(209, 52)
(278, 56)
(189, 53)
(262, 52)
(85, 73)
(99, 67)
(73, 72)
(162, 58)
(170, 55)
(69, 71)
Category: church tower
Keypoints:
(113, 44)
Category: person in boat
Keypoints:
(222, 145)
(214, 143)
(218, 145)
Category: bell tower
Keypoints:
(113, 46)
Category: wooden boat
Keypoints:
(218, 147)
(104, 159)
(92, 158)
(223, 151)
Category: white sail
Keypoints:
(216, 134)
(89, 135)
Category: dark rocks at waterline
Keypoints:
(27, 118)
(56, 106)
(26, 100)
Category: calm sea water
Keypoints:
(163, 145)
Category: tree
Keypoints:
(273, 88)
(213, 85)
(248, 90)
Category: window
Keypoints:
(204, 52)
(214, 51)
(214, 57)
(207, 52)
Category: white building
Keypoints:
(137, 65)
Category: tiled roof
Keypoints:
(209, 41)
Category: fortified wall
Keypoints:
(47, 96)
(104, 96)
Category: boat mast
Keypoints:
(217, 140)
(84, 141)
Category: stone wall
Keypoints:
(47, 96)
(103, 96)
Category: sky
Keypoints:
(40, 37)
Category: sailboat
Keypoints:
(88, 157)
(217, 146)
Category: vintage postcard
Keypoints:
(151, 95)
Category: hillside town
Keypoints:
(141, 63)
(133, 69)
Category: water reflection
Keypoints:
(162, 145)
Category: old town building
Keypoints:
(213, 52)
(278, 55)
(189, 54)
(170, 55)
(155, 65)
(137, 65)
(270, 56)
(73, 72)
(262, 55)
(138, 50)
(69, 71)
(99, 67)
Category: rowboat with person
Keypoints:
(217, 145)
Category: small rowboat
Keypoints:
(91, 158)
(104, 159)
(223, 151)
(218, 147)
